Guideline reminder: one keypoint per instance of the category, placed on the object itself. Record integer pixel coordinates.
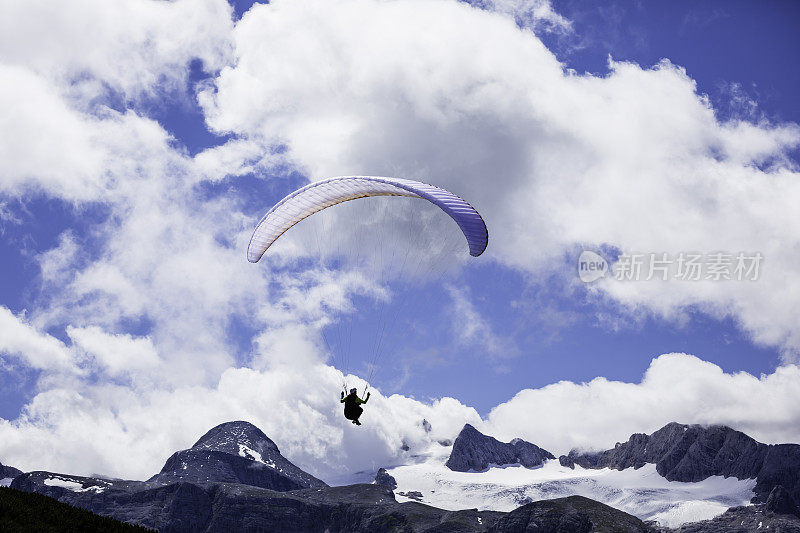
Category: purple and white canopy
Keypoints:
(320, 195)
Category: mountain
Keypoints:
(234, 478)
(184, 495)
(574, 514)
(23, 511)
(235, 452)
(693, 453)
(474, 451)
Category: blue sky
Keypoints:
(129, 264)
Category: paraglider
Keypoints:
(327, 193)
(352, 406)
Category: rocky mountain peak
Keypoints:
(385, 479)
(681, 452)
(235, 452)
(474, 451)
(238, 438)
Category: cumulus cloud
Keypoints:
(35, 348)
(85, 431)
(236, 157)
(57, 97)
(676, 388)
(636, 159)
(118, 353)
(164, 257)
(44, 144)
(136, 47)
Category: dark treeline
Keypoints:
(25, 511)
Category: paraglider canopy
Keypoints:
(323, 194)
(372, 245)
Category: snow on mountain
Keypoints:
(66, 482)
(641, 492)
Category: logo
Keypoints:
(591, 266)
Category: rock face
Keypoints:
(693, 453)
(235, 452)
(749, 519)
(575, 514)
(8, 472)
(472, 450)
(781, 502)
(384, 478)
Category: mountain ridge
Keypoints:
(214, 494)
(692, 452)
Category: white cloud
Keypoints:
(236, 157)
(158, 262)
(87, 430)
(133, 46)
(44, 144)
(163, 256)
(62, 67)
(119, 353)
(35, 348)
(676, 388)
